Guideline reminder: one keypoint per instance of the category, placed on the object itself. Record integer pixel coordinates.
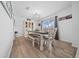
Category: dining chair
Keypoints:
(35, 38)
(50, 39)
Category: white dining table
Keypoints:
(41, 33)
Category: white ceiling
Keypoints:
(25, 9)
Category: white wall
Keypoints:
(75, 14)
(19, 26)
(69, 29)
(6, 33)
(65, 26)
(36, 27)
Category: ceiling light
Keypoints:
(36, 12)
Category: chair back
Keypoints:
(52, 33)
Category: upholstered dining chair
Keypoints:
(35, 38)
(50, 39)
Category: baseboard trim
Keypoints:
(8, 56)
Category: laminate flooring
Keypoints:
(22, 48)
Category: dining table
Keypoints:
(42, 34)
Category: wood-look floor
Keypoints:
(22, 48)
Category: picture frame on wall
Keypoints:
(65, 17)
(8, 7)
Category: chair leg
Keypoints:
(38, 43)
(49, 47)
(45, 42)
(33, 42)
(53, 45)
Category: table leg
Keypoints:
(50, 47)
(41, 43)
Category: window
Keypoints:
(48, 23)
